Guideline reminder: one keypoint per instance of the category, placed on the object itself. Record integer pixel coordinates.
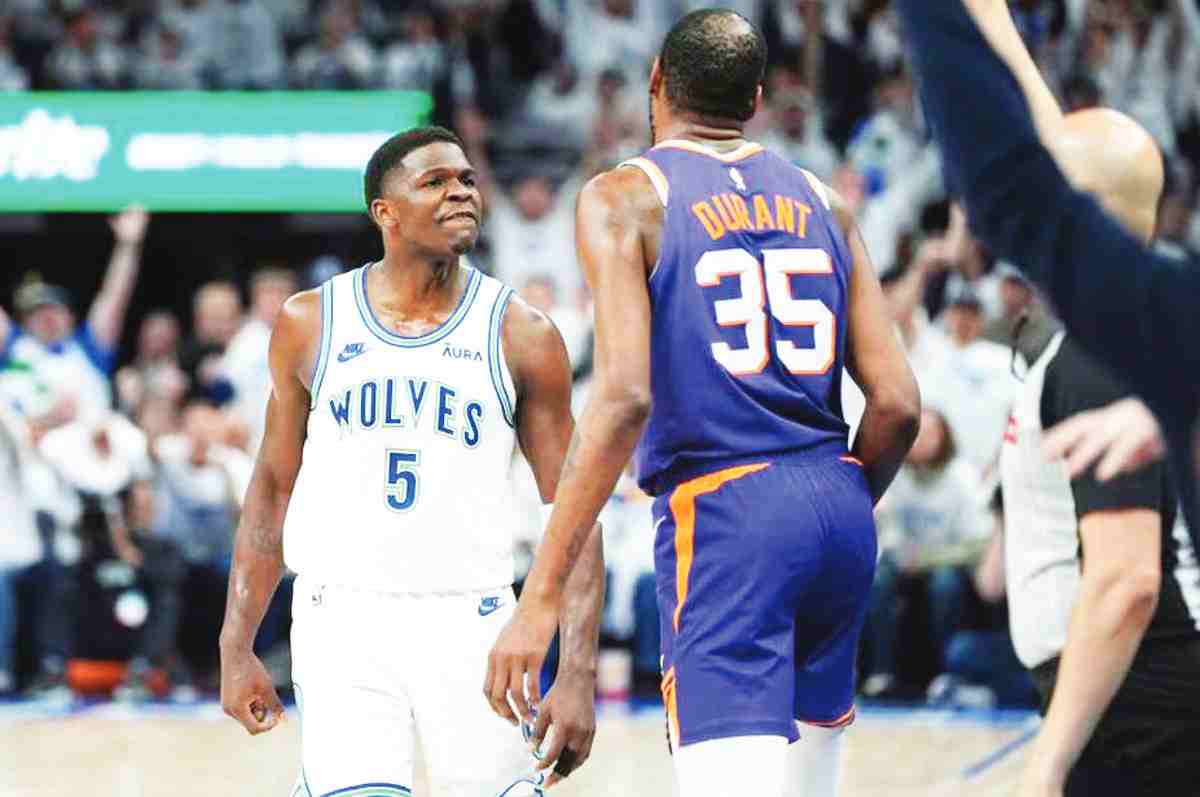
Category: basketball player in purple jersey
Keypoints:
(731, 288)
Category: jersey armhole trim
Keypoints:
(818, 187)
(496, 363)
(326, 341)
(662, 186)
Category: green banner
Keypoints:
(195, 150)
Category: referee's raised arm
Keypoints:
(1138, 312)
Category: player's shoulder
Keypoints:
(623, 189)
(526, 328)
(299, 320)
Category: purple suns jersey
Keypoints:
(749, 299)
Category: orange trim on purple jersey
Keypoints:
(683, 510)
(852, 460)
(662, 186)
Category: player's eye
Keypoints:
(469, 180)
(434, 182)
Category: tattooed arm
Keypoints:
(247, 694)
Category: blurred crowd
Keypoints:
(124, 451)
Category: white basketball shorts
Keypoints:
(372, 670)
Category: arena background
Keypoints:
(545, 93)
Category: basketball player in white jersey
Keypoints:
(400, 391)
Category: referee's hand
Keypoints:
(569, 712)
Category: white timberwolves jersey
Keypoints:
(404, 484)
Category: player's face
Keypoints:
(437, 199)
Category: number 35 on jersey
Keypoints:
(766, 287)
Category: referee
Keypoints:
(1104, 591)
(1137, 312)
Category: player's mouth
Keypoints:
(461, 215)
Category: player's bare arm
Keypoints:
(1117, 597)
(107, 314)
(616, 237)
(247, 693)
(879, 366)
(542, 375)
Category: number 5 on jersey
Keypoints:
(401, 489)
(748, 310)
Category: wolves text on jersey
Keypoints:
(402, 402)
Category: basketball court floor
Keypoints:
(159, 751)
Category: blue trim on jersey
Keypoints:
(101, 356)
(387, 336)
(495, 362)
(326, 342)
(372, 790)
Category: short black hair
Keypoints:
(395, 149)
(712, 63)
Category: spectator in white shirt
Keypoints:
(165, 62)
(245, 360)
(19, 543)
(418, 59)
(933, 524)
(796, 133)
(248, 50)
(532, 231)
(154, 372)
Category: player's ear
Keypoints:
(758, 99)
(655, 76)
(381, 213)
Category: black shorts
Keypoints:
(1148, 741)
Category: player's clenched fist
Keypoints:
(247, 693)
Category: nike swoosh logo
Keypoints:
(346, 356)
(484, 611)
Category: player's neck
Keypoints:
(708, 132)
(417, 282)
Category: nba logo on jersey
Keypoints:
(738, 180)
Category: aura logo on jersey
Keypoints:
(405, 402)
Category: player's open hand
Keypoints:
(1123, 437)
(568, 715)
(247, 693)
(515, 663)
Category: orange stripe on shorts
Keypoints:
(840, 722)
(683, 510)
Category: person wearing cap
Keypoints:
(974, 386)
(74, 360)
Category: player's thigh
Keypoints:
(469, 751)
(729, 548)
(356, 728)
(732, 767)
